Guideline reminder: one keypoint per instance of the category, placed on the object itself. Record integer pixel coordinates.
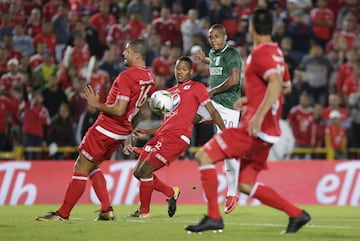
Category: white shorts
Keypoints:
(230, 117)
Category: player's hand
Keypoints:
(254, 126)
(241, 104)
(92, 98)
(230, 204)
(127, 146)
(200, 55)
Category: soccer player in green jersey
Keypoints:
(225, 68)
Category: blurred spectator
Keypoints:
(320, 126)
(144, 8)
(323, 22)
(10, 51)
(3, 61)
(112, 62)
(76, 99)
(86, 120)
(47, 36)
(351, 83)
(289, 55)
(177, 13)
(22, 43)
(317, 69)
(102, 21)
(50, 9)
(33, 24)
(352, 7)
(202, 7)
(12, 79)
(348, 30)
(167, 28)
(300, 32)
(228, 17)
(67, 77)
(302, 121)
(61, 133)
(79, 54)
(136, 24)
(335, 104)
(162, 65)
(279, 32)
(61, 30)
(190, 27)
(335, 135)
(119, 33)
(5, 111)
(34, 118)
(214, 11)
(354, 104)
(345, 70)
(44, 70)
(53, 95)
(37, 58)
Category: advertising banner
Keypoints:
(302, 182)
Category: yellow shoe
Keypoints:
(172, 201)
(51, 217)
(107, 215)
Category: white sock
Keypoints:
(232, 167)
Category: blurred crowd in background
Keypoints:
(46, 48)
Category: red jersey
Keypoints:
(36, 60)
(265, 59)
(10, 81)
(80, 57)
(351, 85)
(102, 24)
(187, 98)
(135, 85)
(49, 40)
(161, 66)
(168, 30)
(100, 82)
(337, 135)
(35, 118)
(322, 31)
(345, 70)
(327, 110)
(137, 28)
(302, 122)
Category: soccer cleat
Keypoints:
(107, 215)
(206, 224)
(297, 222)
(172, 201)
(230, 204)
(51, 217)
(139, 214)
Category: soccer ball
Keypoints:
(161, 102)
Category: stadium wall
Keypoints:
(308, 182)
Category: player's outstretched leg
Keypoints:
(205, 224)
(51, 217)
(172, 201)
(298, 222)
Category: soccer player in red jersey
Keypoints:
(266, 75)
(171, 138)
(127, 95)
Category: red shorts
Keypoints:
(236, 143)
(163, 149)
(98, 147)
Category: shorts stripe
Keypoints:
(111, 134)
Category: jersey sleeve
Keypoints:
(233, 59)
(123, 87)
(201, 93)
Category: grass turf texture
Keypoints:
(246, 223)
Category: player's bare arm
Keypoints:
(274, 88)
(215, 116)
(93, 99)
(241, 104)
(201, 56)
(233, 79)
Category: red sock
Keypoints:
(271, 198)
(99, 185)
(73, 193)
(210, 184)
(146, 189)
(162, 187)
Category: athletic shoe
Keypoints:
(230, 204)
(205, 224)
(172, 201)
(52, 217)
(139, 214)
(107, 215)
(297, 222)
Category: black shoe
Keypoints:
(205, 224)
(172, 201)
(107, 215)
(297, 222)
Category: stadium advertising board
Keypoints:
(303, 182)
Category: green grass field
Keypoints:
(246, 223)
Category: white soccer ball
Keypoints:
(161, 102)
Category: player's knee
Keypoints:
(202, 158)
(245, 188)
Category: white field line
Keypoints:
(150, 220)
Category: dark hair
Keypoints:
(185, 59)
(218, 27)
(262, 21)
(140, 47)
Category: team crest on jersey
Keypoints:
(187, 87)
(176, 99)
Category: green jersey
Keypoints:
(220, 64)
